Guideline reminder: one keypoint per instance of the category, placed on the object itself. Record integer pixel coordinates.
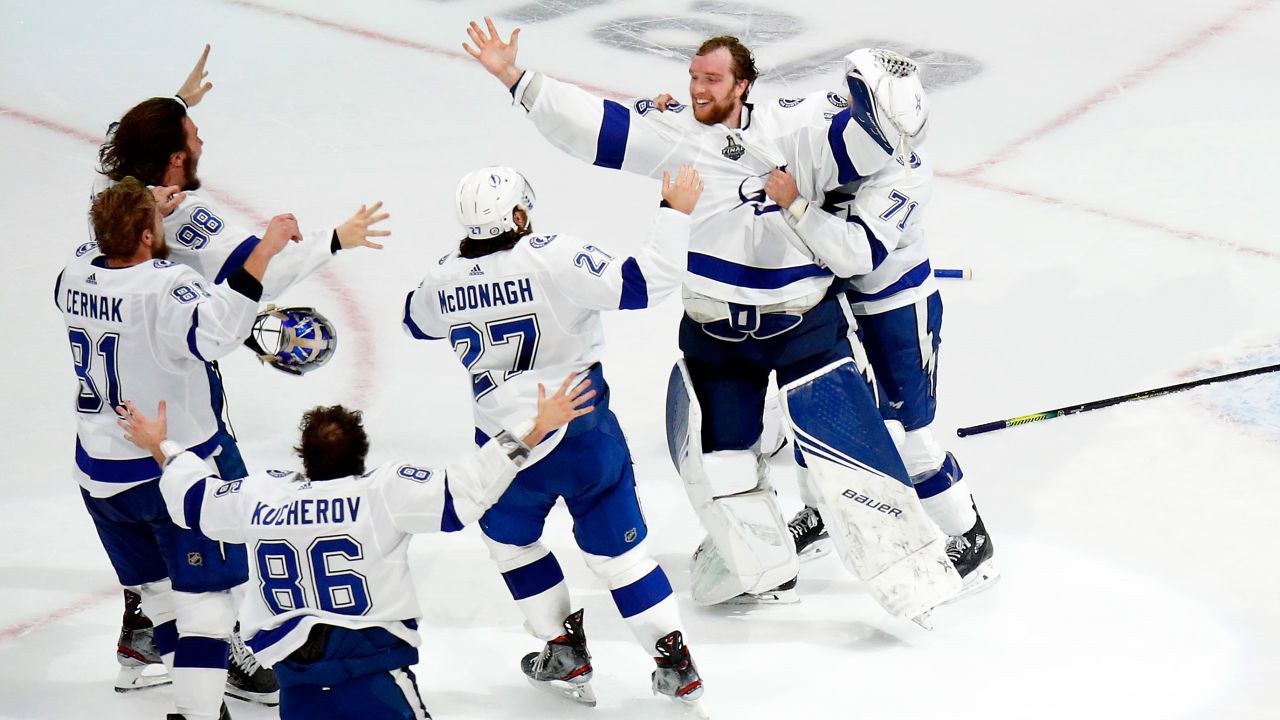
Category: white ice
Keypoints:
(1108, 173)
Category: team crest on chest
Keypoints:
(733, 150)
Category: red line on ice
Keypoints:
(62, 613)
(1118, 86)
(357, 321)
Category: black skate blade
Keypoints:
(270, 699)
(815, 550)
(771, 597)
(136, 678)
(581, 693)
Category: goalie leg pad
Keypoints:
(870, 508)
(753, 551)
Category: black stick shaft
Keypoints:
(1108, 402)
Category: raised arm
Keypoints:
(597, 279)
(423, 499)
(634, 137)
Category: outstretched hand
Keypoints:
(498, 57)
(682, 193)
(194, 88)
(559, 409)
(147, 433)
(356, 231)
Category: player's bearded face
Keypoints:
(191, 159)
(712, 87)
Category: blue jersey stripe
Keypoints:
(192, 345)
(878, 251)
(412, 326)
(835, 139)
(57, 291)
(642, 594)
(193, 503)
(264, 639)
(449, 521)
(914, 277)
(130, 471)
(746, 276)
(611, 144)
(236, 259)
(635, 289)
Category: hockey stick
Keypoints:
(1099, 404)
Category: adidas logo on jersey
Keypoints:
(92, 279)
(475, 270)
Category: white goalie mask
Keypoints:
(486, 200)
(889, 83)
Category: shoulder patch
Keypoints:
(163, 263)
(80, 251)
(790, 102)
(644, 105)
(540, 241)
(279, 473)
(444, 259)
(416, 474)
(676, 106)
(837, 100)
(227, 488)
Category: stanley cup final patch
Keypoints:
(733, 150)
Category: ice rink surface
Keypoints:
(1107, 172)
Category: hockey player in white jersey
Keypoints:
(520, 307)
(157, 142)
(144, 328)
(332, 605)
(895, 300)
(755, 304)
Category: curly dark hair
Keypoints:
(144, 140)
(744, 63)
(119, 215)
(334, 443)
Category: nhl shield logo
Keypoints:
(733, 150)
(630, 535)
(195, 559)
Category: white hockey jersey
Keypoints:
(531, 314)
(146, 333)
(333, 551)
(741, 249)
(871, 231)
(201, 237)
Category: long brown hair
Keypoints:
(144, 140)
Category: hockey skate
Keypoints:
(564, 665)
(971, 553)
(140, 665)
(677, 676)
(246, 679)
(809, 534)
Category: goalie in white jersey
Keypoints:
(144, 328)
(520, 307)
(756, 304)
(332, 605)
(895, 300)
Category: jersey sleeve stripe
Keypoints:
(193, 503)
(611, 144)
(57, 290)
(635, 290)
(236, 259)
(878, 251)
(449, 521)
(746, 276)
(412, 326)
(913, 278)
(192, 345)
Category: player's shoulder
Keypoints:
(402, 471)
(196, 218)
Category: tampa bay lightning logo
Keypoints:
(837, 100)
(915, 159)
(789, 102)
(751, 192)
(494, 180)
(540, 241)
(162, 263)
(86, 248)
(444, 259)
